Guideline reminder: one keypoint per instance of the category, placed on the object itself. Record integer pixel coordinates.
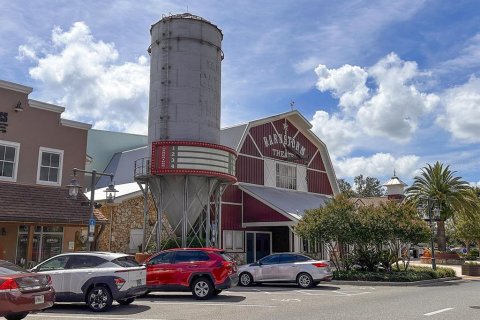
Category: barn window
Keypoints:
(286, 176)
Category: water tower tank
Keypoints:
(188, 168)
(185, 76)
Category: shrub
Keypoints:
(414, 273)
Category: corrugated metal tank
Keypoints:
(185, 74)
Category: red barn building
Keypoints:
(282, 168)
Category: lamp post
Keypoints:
(432, 214)
(73, 189)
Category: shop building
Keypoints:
(38, 150)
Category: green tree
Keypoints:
(453, 195)
(333, 224)
(367, 187)
(346, 188)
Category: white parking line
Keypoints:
(436, 312)
(217, 304)
(82, 316)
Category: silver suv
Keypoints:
(96, 278)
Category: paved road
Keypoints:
(450, 300)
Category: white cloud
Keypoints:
(395, 108)
(379, 164)
(346, 83)
(338, 134)
(392, 110)
(80, 73)
(462, 111)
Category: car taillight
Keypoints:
(8, 285)
(321, 264)
(119, 282)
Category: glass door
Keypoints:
(258, 245)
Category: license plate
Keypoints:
(39, 299)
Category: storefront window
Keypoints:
(47, 242)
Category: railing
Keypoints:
(142, 168)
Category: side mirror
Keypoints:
(259, 263)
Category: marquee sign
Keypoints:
(190, 157)
(290, 148)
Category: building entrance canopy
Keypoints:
(291, 204)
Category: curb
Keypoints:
(394, 284)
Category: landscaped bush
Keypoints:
(414, 273)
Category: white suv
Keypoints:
(96, 278)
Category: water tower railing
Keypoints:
(142, 168)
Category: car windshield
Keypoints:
(7, 268)
(126, 261)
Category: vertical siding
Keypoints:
(231, 217)
(255, 211)
(318, 182)
(249, 148)
(232, 194)
(250, 170)
(258, 133)
(317, 163)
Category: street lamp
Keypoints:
(430, 212)
(73, 189)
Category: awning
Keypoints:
(290, 203)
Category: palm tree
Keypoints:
(452, 194)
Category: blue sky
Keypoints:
(386, 84)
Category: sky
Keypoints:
(387, 85)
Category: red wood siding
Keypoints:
(231, 217)
(317, 163)
(279, 126)
(250, 170)
(249, 147)
(318, 182)
(256, 211)
(232, 194)
(261, 131)
(311, 149)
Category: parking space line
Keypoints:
(436, 312)
(83, 316)
(217, 304)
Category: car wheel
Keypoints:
(216, 292)
(304, 280)
(202, 288)
(126, 302)
(246, 279)
(99, 298)
(16, 316)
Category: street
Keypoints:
(447, 300)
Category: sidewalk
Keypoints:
(457, 268)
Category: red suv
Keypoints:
(204, 271)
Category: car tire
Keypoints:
(125, 302)
(304, 280)
(216, 292)
(16, 316)
(246, 279)
(99, 298)
(202, 288)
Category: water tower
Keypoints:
(188, 170)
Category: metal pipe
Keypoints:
(91, 232)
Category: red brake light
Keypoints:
(119, 282)
(321, 264)
(8, 285)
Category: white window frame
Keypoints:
(236, 247)
(294, 170)
(16, 160)
(60, 166)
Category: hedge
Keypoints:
(413, 273)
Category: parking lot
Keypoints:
(327, 301)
